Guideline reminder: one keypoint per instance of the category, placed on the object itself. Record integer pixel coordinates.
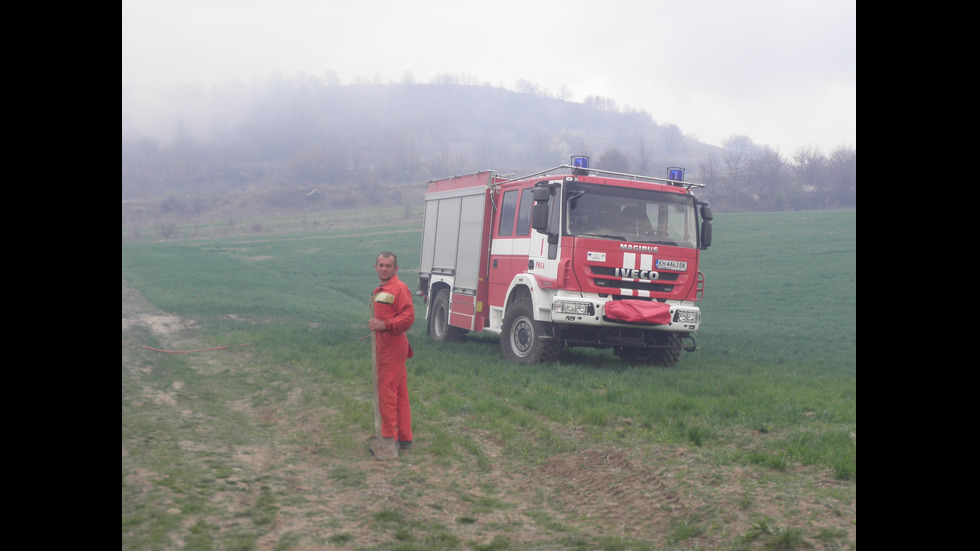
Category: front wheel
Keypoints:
(525, 340)
(667, 354)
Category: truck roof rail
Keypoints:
(668, 181)
(461, 175)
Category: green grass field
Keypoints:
(247, 404)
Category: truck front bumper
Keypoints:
(586, 311)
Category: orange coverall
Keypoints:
(393, 305)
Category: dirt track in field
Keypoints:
(616, 492)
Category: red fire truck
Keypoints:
(570, 256)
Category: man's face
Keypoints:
(386, 268)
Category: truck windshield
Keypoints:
(630, 214)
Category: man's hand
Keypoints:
(374, 324)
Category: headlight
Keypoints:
(572, 307)
(687, 316)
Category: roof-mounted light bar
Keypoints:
(580, 167)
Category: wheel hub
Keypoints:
(523, 335)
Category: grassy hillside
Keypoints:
(253, 436)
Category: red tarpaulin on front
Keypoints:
(638, 311)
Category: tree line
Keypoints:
(747, 177)
(321, 139)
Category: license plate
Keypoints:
(675, 265)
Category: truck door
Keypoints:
(503, 265)
(543, 252)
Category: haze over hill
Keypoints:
(308, 143)
(316, 133)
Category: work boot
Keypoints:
(404, 445)
(384, 449)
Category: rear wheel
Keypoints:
(439, 328)
(525, 340)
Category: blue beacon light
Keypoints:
(675, 173)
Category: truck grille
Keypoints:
(634, 285)
(606, 279)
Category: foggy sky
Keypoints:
(783, 73)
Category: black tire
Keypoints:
(525, 340)
(439, 328)
(633, 355)
(667, 357)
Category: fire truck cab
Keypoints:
(571, 256)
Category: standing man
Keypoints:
(394, 313)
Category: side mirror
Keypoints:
(706, 218)
(539, 212)
(539, 217)
(706, 213)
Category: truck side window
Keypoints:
(524, 215)
(508, 209)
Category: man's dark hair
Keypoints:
(388, 254)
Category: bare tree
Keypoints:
(600, 102)
(564, 92)
(808, 164)
(644, 154)
(614, 160)
(842, 166)
(736, 158)
(710, 173)
(768, 170)
(445, 79)
(326, 165)
(524, 86)
(330, 78)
